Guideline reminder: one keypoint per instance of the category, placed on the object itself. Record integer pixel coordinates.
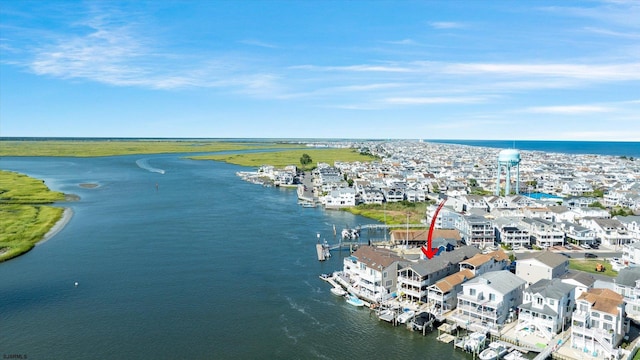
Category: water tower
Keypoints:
(508, 159)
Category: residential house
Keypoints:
(476, 230)
(576, 188)
(339, 198)
(632, 224)
(484, 263)
(542, 265)
(611, 232)
(510, 232)
(415, 277)
(627, 284)
(371, 272)
(582, 281)
(577, 234)
(443, 295)
(547, 306)
(631, 254)
(544, 233)
(598, 323)
(485, 301)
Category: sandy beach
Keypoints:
(66, 217)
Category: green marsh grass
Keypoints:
(24, 216)
(94, 148)
(280, 159)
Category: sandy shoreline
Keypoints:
(66, 217)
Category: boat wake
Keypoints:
(144, 164)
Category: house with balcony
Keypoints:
(484, 263)
(476, 230)
(544, 233)
(611, 232)
(598, 323)
(443, 295)
(631, 254)
(485, 301)
(576, 188)
(542, 265)
(340, 198)
(510, 232)
(627, 284)
(415, 277)
(632, 224)
(546, 307)
(577, 234)
(371, 272)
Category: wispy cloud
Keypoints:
(434, 100)
(446, 25)
(605, 72)
(568, 109)
(259, 44)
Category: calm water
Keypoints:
(205, 266)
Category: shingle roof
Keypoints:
(551, 289)
(603, 300)
(548, 258)
(579, 277)
(453, 280)
(376, 258)
(628, 277)
(501, 281)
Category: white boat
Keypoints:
(514, 355)
(405, 316)
(495, 351)
(387, 315)
(475, 342)
(338, 291)
(354, 300)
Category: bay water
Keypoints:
(180, 259)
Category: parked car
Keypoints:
(585, 246)
(528, 246)
(594, 246)
(568, 247)
(590, 255)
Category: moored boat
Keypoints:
(405, 316)
(494, 351)
(338, 291)
(475, 342)
(354, 300)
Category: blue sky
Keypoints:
(453, 69)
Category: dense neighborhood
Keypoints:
(510, 218)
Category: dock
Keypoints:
(323, 251)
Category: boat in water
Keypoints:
(338, 291)
(388, 315)
(494, 351)
(422, 320)
(354, 300)
(475, 342)
(514, 355)
(405, 316)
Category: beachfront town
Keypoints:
(511, 224)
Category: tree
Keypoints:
(305, 159)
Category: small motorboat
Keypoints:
(338, 291)
(475, 342)
(495, 351)
(405, 316)
(354, 300)
(514, 355)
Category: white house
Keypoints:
(371, 272)
(631, 254)
(597, 325)
(443, 295)
(582, 281)
(542, 265)
(544, 233)
(546, 307)
(342, 197)
(627, 284)
(611, 232)
(485, 300)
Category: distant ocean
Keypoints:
(613, 148)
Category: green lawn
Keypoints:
(590, 266)
(24, 216)
(392, 213)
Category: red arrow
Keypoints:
(428, 251)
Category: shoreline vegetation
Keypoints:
(114, 147)
(27, 217)
(24, 201)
